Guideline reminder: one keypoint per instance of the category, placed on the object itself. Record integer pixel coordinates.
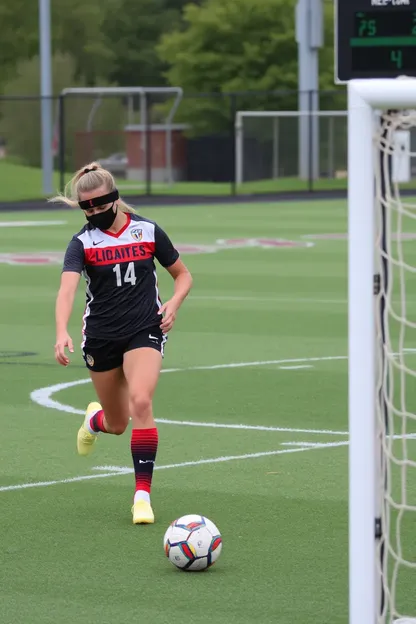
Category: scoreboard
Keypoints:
(374, 39)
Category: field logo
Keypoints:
(36, 258)
(42, 258)
(264, 243)
(396, 236)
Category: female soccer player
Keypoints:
(124, 323)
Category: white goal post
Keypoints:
(141, 92)
(382, 375)
(247, 125)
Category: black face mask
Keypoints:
(103, 220)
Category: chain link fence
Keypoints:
(155, 144)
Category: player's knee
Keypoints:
(140, 404)
(116, 425)
(118, 429)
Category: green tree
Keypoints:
(235, 46)
(19, 36)
(113, 40)
(76, 29)
(21, 116)
(132, 32)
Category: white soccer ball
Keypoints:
(192, 543)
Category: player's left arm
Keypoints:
(183, 284)
(168, 257)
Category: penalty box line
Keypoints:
(114, 471)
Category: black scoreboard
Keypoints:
(374, 39)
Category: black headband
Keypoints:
(99, 201)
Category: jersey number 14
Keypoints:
(129, 276)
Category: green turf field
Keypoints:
(255, 370)
(19, 183)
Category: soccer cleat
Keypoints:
(85, 439)
(142, 513)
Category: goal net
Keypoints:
(276, 146)
(382, 351)
(129, 130)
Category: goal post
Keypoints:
(268, 144)
(143, 93)
(361, 368)
(381, 394)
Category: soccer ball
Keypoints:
(192, 543)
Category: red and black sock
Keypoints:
(97, 422)
(143, 450)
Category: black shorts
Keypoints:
(102, 355)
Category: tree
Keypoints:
(77, 30)
(20, 116)
(132, 31)
(113, 40)
(236, 46)
(19, 37)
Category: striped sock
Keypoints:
(96, 423)
(143, 450)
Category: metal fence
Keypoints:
(192, 151)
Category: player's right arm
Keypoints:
(71, 273)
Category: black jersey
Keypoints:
(122, 295)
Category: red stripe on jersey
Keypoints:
(100, 256)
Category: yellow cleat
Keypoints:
(142, 513)
(85, 439)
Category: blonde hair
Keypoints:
(86, 179)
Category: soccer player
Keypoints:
(125, 325)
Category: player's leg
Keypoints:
(112, 392)
(111, 414)
(142, 369)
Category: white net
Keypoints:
(281, 146)
(129, 130)
(395, 145)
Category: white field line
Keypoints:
(192, 423)
(36, 484)
(295, 367)
(263, 363)
(120, 469)
(313, 445)
(289, 300)
(266, 299)
(42, 396)
(114, 471)
(6, 224)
